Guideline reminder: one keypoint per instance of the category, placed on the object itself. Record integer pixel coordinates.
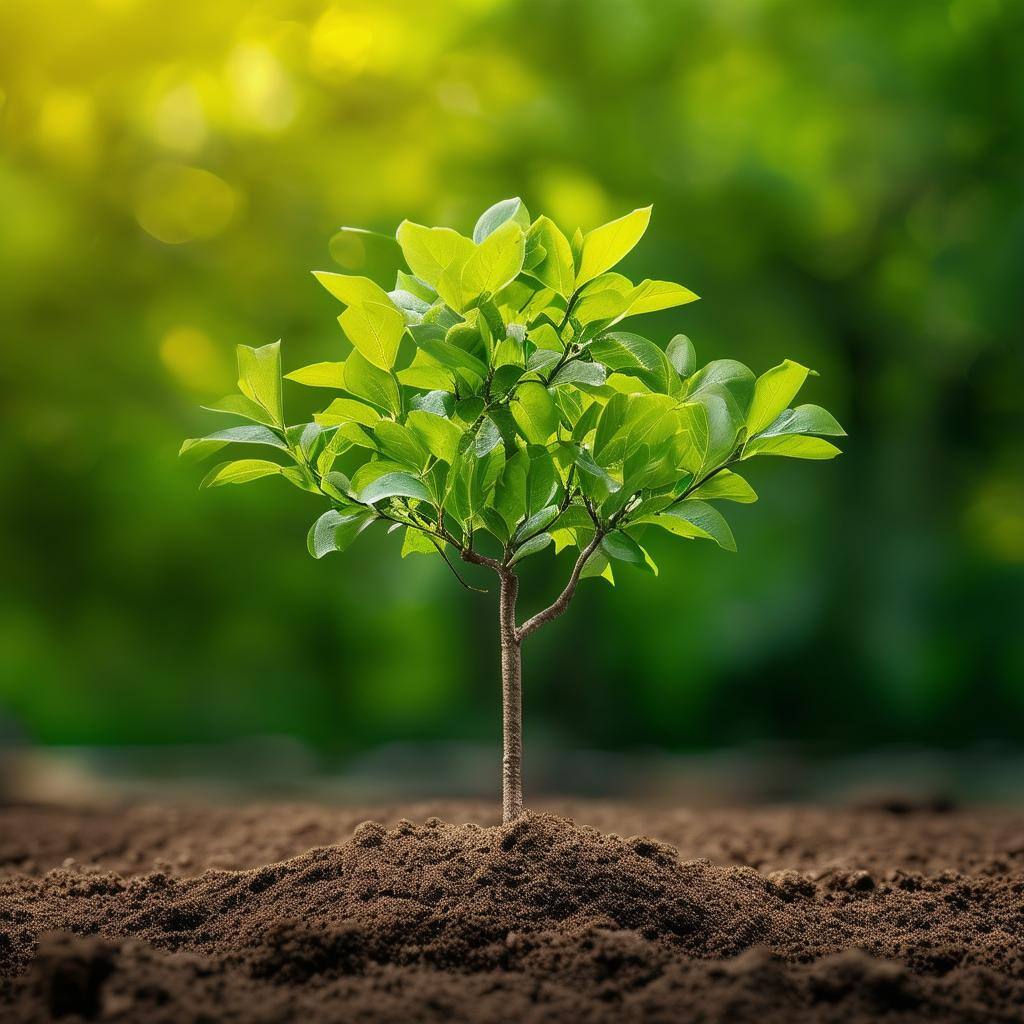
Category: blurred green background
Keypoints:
(842, 184)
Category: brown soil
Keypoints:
(300, 914)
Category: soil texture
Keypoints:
(590, 912)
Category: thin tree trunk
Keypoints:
(511, 701)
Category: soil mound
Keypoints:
(540, 920)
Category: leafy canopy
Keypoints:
(492, 399)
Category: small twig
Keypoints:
(561, 602)
(457, 574)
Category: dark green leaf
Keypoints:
(536, 543)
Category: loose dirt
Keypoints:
(169, 914)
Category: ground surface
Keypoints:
(266, 914)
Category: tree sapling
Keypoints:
(492, 408)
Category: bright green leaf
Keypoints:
(320, 375)
(726, 486)
(773, 392)
(556, 270)
(692, 518)
(239, 405)
(430, 251)
(794, 446)
(535, 412)
(375, 329)
(240, 472)
(259, 378)
(605, 246)
(369, 382)
(416, 542)
(804, 419)
(440, 436)
(635, 357)
(493, 218)
(200, 447)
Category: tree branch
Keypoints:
(561, 602)
(469, 555)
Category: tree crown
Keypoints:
(492, 406)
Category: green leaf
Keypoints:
(510, 492)
(536, 543)
(440, 436)
(347, 410)
(259, 378)
(369, 382)
(453, 357)
(494, 523)
(493, 218)
(487, 438)
(598, 565)
(399, 443)
(352, 290)
(430, 251)
(633, 356)
(727, 486)
(556, 269)
(644, 420)
(596, 482)
(490, 266)
(440, 403)
(542, 358)
(623, 548)
(651, 296)
(537, 522)
(773, 392)
(535, 412)
(541, 480)
(794, 446)
(426, 373)
(716, 433)
(307, 437)
(416, 542)
(200, 447)
(804, 419)
(692, 518)
(728, 373)
(239, 405)
(320, 375)
(469, 410)
(373, 470)
(376, 329)
(600, 304)
(605, 246)
(335, 531)
(618, 298)
(680, 353)
(413, 308)
(471, 482)
(393, 485)
(240, 472)
(611, 422)
(576, 372)
(334, 484)
(414, 286)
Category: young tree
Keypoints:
(492, 408)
